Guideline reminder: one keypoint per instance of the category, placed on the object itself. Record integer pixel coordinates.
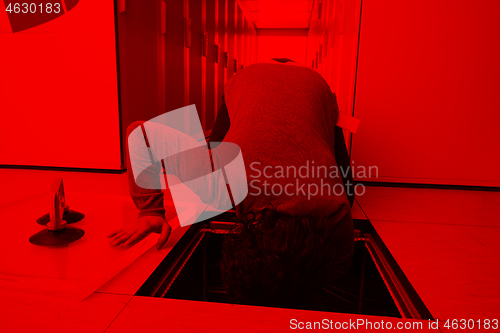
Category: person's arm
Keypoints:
(148, 201)
(179, 155)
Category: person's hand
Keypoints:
(138, 230)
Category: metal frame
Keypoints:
(409, 304)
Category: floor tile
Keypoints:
(22, 312)
(429, 206)
(487, 236)
(493, 196)
(128, 281)
(18, 186)
(71, 271)
(357, 212)
(455, 275)
(147, 314)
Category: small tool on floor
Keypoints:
(70, 216)
(58, 232)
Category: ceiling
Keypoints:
(278, 14)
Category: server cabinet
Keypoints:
(210, 54)
(141, 58)
(175, 40)
(238, 39)
(230, 37)
(196, 80)
(222, 32)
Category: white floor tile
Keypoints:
(22, 312)
(18, 186)
(487, 236)
(493, 196)
(357, 212)
(455, 275)
(429, 206)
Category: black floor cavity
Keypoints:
(375, 284)
(342, 297)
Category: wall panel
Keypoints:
(292, 47)
(58, 91)
(427, 92)
(69, 106)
